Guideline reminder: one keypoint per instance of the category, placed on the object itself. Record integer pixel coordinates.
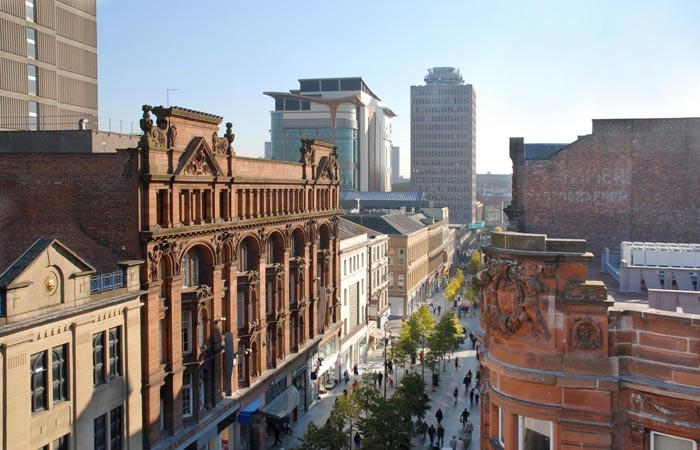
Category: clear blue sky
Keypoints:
(542, 70)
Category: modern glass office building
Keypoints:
(343, 111)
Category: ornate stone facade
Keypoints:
(567, 367)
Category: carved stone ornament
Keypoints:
(636, 433)
(219, 146)
(281, 313)
(585, 334)
(172, 136)
(670, 408)
(199, 165)
(225, 238)
(512, 300)
(153, 136)
(165, 248)
(307, 152)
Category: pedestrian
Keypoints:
(464, 417)
(456, 363)
(380, 377)
(465, 381)
(345, 392)
(478, 377)
(391, 367)
(354, 385)
(455, 394)
(440, 435)
(424, 429)
(358, 440)
(477, 392)
(469, 428)
(346, 376)
(439, 310)
(438, 415)
(436, 380)
(461, 445)
(469, 378)
(277, 435)
(431, 435)
(355, 370)
(453, 443)
(390, 380)
(471, 398)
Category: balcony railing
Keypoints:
(106, 282)
(70, 122)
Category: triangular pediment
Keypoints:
(198, 160)
(325, 170)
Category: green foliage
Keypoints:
(475, 264)
(421, 323)
(410, 396)
(330, 436)
(455, 285)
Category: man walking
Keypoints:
(477, 392)
(438, 416)
(471, 398)
(465, 417)
(453, 443)
(440, 435)
(455, 394)
(277, 435)
(431, 435)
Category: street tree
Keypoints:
(330, 436)
(445, 336)
(455, 285)
(411, 397)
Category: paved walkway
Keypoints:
(442, 397)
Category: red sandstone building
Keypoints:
(241, 266)
(629, 180)
(568, 367)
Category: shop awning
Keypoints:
(328, 363)
(282, 405)
(246, 414)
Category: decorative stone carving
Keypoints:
(670, 408)
(636, 434)
(307, 152)
(585, 334)
(199, 165)
(165, 248)
(153, 136)
(511, 299)
(172, 136)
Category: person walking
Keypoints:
(465, 417)
(471, 398)
(358, 440)
(438, 416)
(439, 310)
(346, 376)
(468, 378)
(453, 443)
(380, 377)
(424, 429)
(477, 392)
(456, 362)
(431, 435)
(355, 370)
(440, 435)
(277, 435)
(455, 394)
(461, 445)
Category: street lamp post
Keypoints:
(422, 360)
(385, 366)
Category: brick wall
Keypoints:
(41, 196)
(632, 180)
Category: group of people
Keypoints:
(436, 435)
(474, 392)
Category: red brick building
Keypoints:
(567, 367)
(629, 180)
(241, 266)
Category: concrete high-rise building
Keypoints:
(48, 61)
(395, 164)
(343, 111)
(443, 142)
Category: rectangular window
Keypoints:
(535, 434)
(116, 432)
(30, 10)
(33, 116)
(401, 257)
(31, 79)
(115, 352)
(38, 381)
(400, 283)
(59, 372)
(240, 309)
(100, 432)
(61, 443)
(661, 441)
(98, 359)
(187, 395)
(186, 332)
(31, 43)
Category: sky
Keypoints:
(542, 70)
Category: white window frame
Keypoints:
(187, 394)
(186, 332)
(652, 442)
(521, 431)
(501, 425)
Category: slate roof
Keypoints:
(348, 229)
(542, 151)
(382, 196)
(392, 223)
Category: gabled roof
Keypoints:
(348, 229)
(392, 223)
(32, 253)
